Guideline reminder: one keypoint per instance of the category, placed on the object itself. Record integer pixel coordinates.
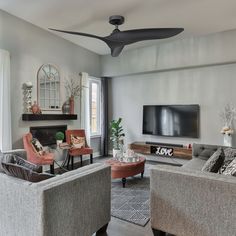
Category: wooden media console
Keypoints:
(178, 152)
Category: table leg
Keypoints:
(65, 160)
(91, 158)
(72, 162)
(123, 182)
(52, 168)
(68, 162)
(81, 160)
(142, 174)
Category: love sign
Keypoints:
(162, 151)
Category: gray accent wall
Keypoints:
(199, 70)
(30, 47)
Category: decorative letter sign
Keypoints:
(162, 151)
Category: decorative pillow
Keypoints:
(7, 158)
(230, 154)
(24, 173)
(22, 162)
(224, 166)
(77, 142)
(37, 146)
(230, 169)
(214, 163)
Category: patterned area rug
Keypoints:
(132, 202)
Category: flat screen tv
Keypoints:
(171, 120)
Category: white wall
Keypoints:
(191, 71)
(30, 47)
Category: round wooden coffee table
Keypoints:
(126, 169)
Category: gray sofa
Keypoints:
(186, 201)
(76, 203)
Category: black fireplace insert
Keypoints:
(46, 134)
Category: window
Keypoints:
(95, 106)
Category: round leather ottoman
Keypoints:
(126, 169)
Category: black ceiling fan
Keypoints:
(118, 39)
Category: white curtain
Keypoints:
(5, 103)
(85, 105)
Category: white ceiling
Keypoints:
(198, 17)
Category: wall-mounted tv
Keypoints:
(171, 120)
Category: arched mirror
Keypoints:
(48, 87)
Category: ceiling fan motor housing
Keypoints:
(116, 20)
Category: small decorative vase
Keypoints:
(66, 107)
(72, 105)
(35, 108)
(227, 140)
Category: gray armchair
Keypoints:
(75, 203)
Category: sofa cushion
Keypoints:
(214, 163)
(204, 151)
(24, 173)
(195, 164)
(230, 169)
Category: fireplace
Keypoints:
(46, 134)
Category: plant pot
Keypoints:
(116, 153)
(59, 142)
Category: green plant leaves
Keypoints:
(116, 132)
(59, 136)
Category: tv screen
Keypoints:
(171, 120)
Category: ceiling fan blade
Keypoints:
(115, 51)
(78, 33)
(133, 36)
(115, 47)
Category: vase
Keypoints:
(66, 107)
(35, 108)
(227, 140)
(72, 105)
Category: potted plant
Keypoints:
(117, 135)
(59, 137)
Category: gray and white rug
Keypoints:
(132, 202)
